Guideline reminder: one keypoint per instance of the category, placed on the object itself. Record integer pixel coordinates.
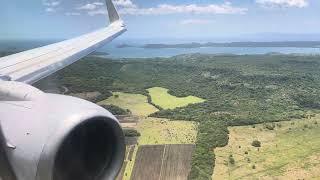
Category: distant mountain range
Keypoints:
(298, 44)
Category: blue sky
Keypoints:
(156, 19)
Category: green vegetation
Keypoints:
(136, 103)
(284, 154)
(231, 160)
(116, 110)
(2, 54)
(129, 167)
(256, 143)
(270, 126)
(238, 90)
(161, 97)
(163, 131)
(211, 134)
(131, 133)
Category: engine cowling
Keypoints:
(56, 137)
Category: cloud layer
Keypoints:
(51, 6)
(283, 3)
(124, 3)
(195, 22)
(161, 9)
(127, 7)
(90, 6)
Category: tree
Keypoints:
(131, 133)
(116, 110)
(231, 160)
(270, 126)
(256, 143)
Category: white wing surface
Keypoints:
(33, 65)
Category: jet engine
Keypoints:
(56, 137)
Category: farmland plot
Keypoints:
(176, 162)
(164, 162)
(148, 162)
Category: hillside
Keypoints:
(289, 150)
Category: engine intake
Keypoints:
(88, 152)
(56, 137)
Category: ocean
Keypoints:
(134, 52)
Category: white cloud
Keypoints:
(124, 3)
(225, 8)
(98, 12)
(98, 3)
(91, 6)
(51, 6)
(283, 3)
(73, 14)
(52, 3)
(127, 7)
(97, 9)
(195, 22)
(88, 7)
(49, 9)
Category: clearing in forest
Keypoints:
(136, 103)
(162, 98)
(289, 150)
(164, 131)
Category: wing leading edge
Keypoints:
(33, 65)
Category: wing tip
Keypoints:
(112, 11)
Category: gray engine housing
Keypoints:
(57, 137)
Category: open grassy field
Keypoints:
(164, 131)
(163, 162)
(136, 103)
(131, 152)
(130, 162)
(290, 151)
(162, 98)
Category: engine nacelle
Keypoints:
(56, 137)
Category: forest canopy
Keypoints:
(238, 90)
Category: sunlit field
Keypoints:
(162, 98)
(163, 131)
(290, 151)
(136, 103)
(154, 131)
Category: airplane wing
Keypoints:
(34, 129)
(33, 65)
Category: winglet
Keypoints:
(112, 11)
